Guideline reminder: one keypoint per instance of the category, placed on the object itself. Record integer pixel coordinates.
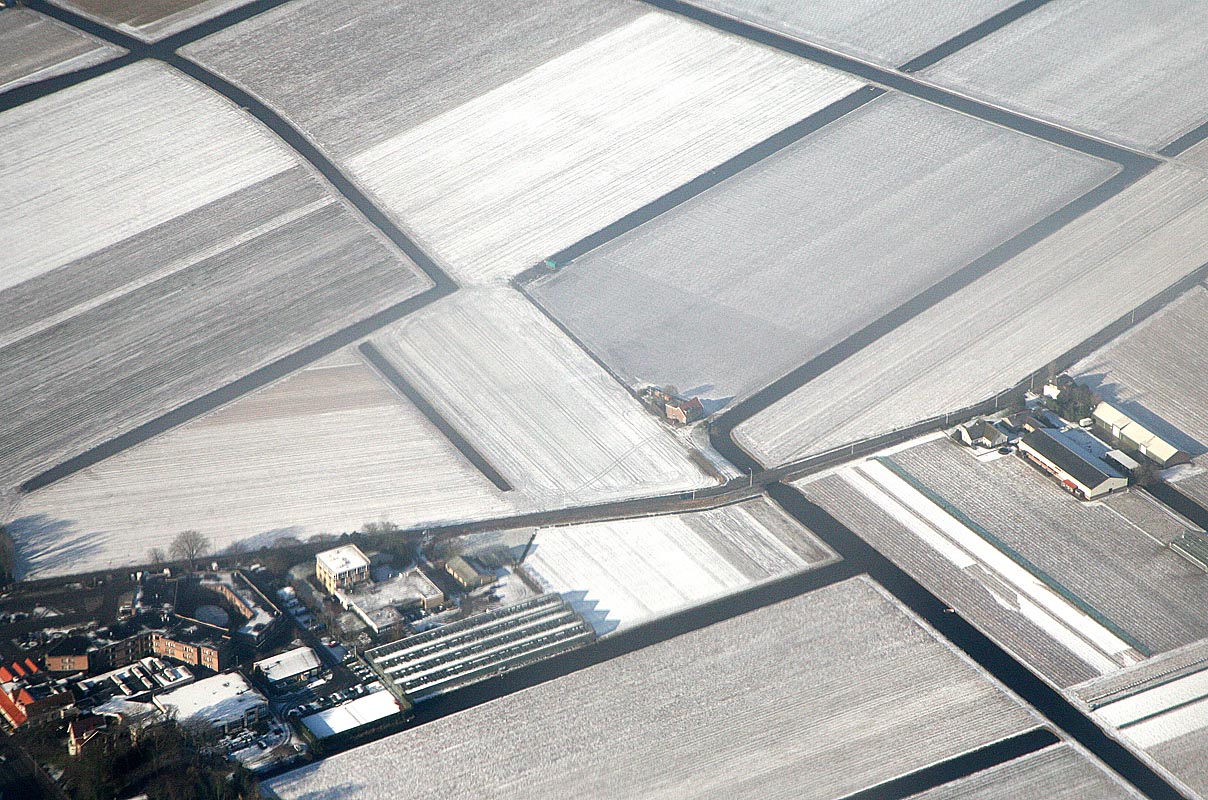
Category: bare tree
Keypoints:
(156, 555)
(188, 546)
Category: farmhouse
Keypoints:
(1137, 438)
(341, 568)
(1077, 472)
(981, 433)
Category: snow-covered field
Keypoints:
(1196, 156)
(889, 34)
(764, 271)
(159, 244)
(1102, 557)
(150, 20)
(620, 573)
(546, 416)
(354, 80)
(1028, 613)
(814, 698)
(321, 451)
(1005, 325)
(36, 47)
(498, 182)
(1170, 722)
(1156, 371)
(1136, 73)
(1060, 772)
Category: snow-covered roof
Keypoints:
(220, 699)
(353, 714)
(343, 559)
(289, 664)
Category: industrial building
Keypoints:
(437, 661)
(341, 568)
(1076, 471)
(1135, 437)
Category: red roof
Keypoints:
(5, 675)
(11, 710)
(29, 662)
(17, 670)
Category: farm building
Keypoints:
(467, 572)
(341, 568)
(1074, 470)
(290, 668)
(1135, 437)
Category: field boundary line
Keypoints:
(383, 367)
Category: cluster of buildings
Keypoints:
(170, 626)
(384, 602)
(673, 407)
(1099, 455)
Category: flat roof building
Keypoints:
(354, 714)
(226, 701)
(379, 604)
(1077, 472)
(291, 667)
(341, 568)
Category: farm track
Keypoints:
(856, 553)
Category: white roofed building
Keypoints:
(341, 568)
(291, 667)
(226, 701)
(352, 715)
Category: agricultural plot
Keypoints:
(889, 34)
(1196, 156)
(37, 47)
(1034, 626)
(1059, 772)
(841, 685)
(972, 344)
(620, 573)
(810, 245)
(541, 412)
(1155, 372)
(1135, 73)
(494, 178)
(1168, 719)
(159, 245)
(1098, 555)
(150, 20)
(322, 451)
